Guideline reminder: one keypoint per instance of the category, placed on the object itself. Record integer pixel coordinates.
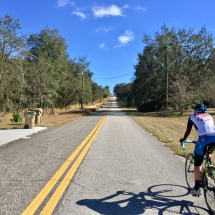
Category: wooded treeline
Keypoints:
(189, 58)
(36, 71)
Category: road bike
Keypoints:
(207, 181)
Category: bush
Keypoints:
(149, 106)
(16, 117)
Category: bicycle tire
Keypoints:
(189, 171)
(209, 190)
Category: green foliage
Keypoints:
(96, 97)
(10, 42)
(16, 117)
(122, 103)
(100, 91)
(106, 95)
(187, 56)
(124, 92)
(36, 71)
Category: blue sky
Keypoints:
(108, 32)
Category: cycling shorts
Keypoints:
(201, 147)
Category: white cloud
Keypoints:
(126, 6)
(113, 10)
(126, 37)
(102, 45)
(108, 29)
(104, 29)
(118, 46)
(72, 3)
(62, 3)
(140, 8)
(82, 15)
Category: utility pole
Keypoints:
(83, 64)
(166, 84)
(82, 88)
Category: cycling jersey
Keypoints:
(203, 123)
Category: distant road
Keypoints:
(103, 163)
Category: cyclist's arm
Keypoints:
(189, 128)
(187, 132)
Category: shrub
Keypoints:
(16, 117)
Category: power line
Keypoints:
(54, 67)
(116, 77)
(46, 63)
(28, 53)
(68, 74)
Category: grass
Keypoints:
(61, 117)
(168, 129)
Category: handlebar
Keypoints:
(186, 141)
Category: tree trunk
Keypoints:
(34, 96)
(41, 100)
(21, 89)
(41, 90)
(1, 71)
(182, 109)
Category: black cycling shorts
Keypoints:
(199, 158)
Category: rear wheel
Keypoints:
(209, 189)
(189, 171)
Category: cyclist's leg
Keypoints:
(209, 157)
(211, 141)
(197, 167)
(197, 174)
(199, 156)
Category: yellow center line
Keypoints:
(31, 209)
(50, 206)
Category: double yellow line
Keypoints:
(50, 206)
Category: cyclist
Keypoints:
(204, 124)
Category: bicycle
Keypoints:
(207, 181)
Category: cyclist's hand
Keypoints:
(194, 141)
(182, 139)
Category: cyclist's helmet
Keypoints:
(200, 108)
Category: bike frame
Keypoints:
(207, 165)
(205, 181)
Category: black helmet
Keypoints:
(200, 108)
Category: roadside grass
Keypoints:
(60, 117)
(168, 129)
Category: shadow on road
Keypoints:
(158, 199)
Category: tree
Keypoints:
(121, 90)
(180, 93)
(21, 64)
(106, 91)
(189, 57)
(83, 64)
(10, 41)
(36, 71)
(209, 93)
(69, 90)
(48, 51)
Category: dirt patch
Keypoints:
(52, 118)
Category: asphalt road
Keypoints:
(126, 170)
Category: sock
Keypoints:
(197, 184)
(209, 159)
